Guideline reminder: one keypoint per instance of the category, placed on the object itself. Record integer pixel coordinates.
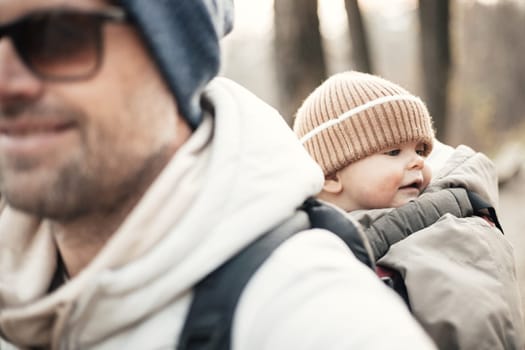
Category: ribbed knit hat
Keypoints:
(353, 115)
(183, 37)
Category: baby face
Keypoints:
(387, 179)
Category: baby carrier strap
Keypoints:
(484, 209)
(327, 217)
(209, 321)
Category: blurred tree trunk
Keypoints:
(360, 52)
(300, 62)
(486, 105)
(435, 44)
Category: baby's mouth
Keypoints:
(415, 185)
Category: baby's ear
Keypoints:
(333, 184)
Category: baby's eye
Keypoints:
(392, 152)
(420, 152)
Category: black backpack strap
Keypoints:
(484, 209)
(327, 217)
(209, 321)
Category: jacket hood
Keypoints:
(252, 174)
(463, 167)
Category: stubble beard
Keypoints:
(91, 181)
(78, 190)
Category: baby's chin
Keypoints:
(404, 198)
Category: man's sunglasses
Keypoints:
(61, 44)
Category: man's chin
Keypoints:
(29, 204)
(33, 197)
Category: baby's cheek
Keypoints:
(427, 175)
(383, 194)
(390, 183)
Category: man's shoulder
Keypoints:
(314, 276)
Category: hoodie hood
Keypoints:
(243, 172)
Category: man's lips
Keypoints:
(26, 128)
(21, 138)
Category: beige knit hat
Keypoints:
(353, 115)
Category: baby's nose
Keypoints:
(417, 162)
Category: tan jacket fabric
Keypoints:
(460, 272)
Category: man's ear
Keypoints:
(333, 184)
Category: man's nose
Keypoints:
(17, 83)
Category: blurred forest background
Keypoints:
(465, 58)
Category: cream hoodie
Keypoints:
(241, 173)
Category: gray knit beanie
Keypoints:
(183, 37)
(353, 115)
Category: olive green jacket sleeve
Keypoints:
(389, 228)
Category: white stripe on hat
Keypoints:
(356, 110)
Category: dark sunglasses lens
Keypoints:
(60, 46)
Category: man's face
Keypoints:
(68, 148)
(387, 179)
